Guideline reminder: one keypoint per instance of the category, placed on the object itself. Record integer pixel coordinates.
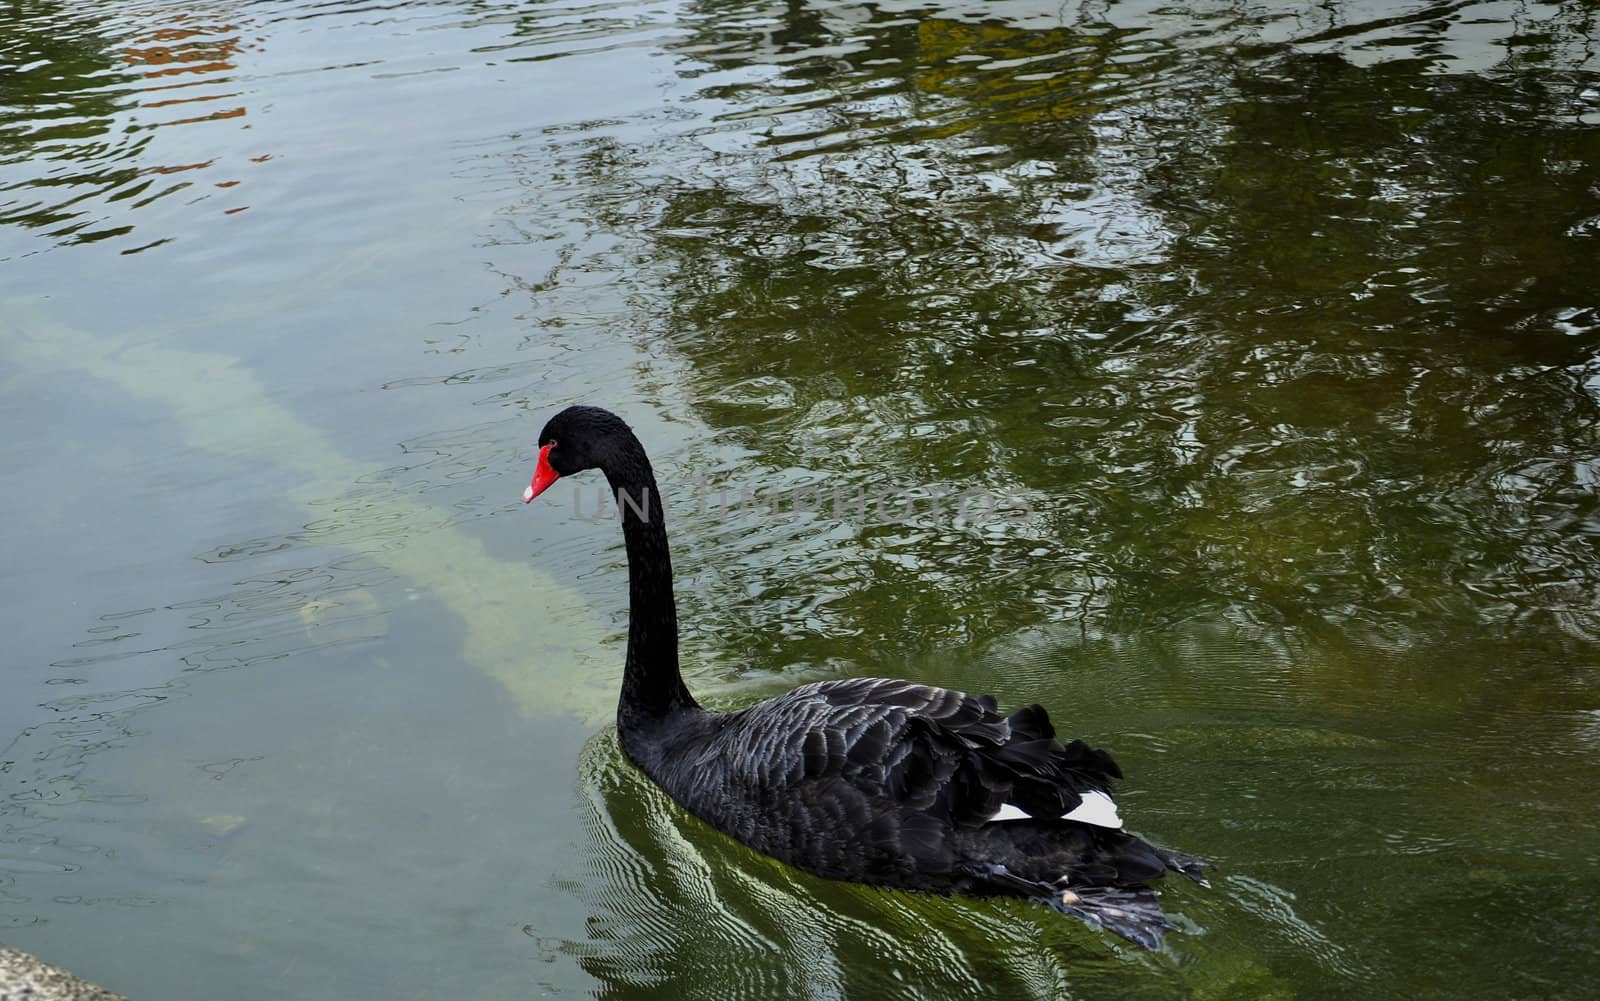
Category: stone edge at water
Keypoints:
(24, 976)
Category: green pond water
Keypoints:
(1225, 376)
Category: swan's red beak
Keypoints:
(543, 475)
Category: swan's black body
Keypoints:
(870, 780)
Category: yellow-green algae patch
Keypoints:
(220, 406)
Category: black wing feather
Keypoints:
(895, 783)
(926, 750)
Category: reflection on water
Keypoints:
(1289, 392)
(86, 95)
(1280, 320)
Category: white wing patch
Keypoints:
(1096, 808)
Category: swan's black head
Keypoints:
(576, 439)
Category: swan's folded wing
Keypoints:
(927, 750)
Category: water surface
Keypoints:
(1223, 376)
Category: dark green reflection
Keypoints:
(81, 95)
(1342, 378)
(1292, 357)
(55, 105)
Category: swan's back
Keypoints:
(871, 779)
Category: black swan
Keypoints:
(870, 780)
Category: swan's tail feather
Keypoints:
(1135, 914)
(1188, 865)
(1132, 912)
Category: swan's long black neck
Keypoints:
(652, 685)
